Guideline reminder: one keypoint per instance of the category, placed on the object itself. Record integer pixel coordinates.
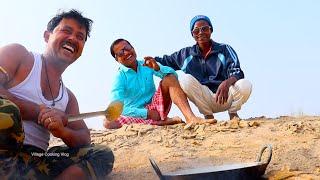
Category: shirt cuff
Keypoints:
(164, 70)
(143, 113)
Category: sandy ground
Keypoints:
(295, 142)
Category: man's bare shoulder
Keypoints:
(17, 61)
(14, 53)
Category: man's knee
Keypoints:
(169, 80)
(11, 131)
(101, 160)
(9, 114)
(245, 88)
(187, 81)
(241, 93)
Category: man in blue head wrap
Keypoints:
(212, 78)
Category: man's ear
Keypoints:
(46, 36)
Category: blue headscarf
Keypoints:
(198, 18)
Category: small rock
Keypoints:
(254, 123)
(224, 123)
(234, 123)
(244, 124)
(224, 130)
(189, 136)
(158, 138)
(200, 137)
(173, 142)
(177, 154)
(196, 143)
(110, 138)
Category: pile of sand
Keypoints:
(295, 142)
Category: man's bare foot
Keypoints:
(233, 115)
(168, 121)
(111, 124)
(175, 119)
(198, 120)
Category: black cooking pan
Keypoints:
(252, 170)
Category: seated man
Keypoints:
(134, 86)
(212, 78)
(35, 104)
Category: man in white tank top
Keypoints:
(31, 82)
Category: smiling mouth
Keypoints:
(69, 47)
(201, 36)
(129, 57)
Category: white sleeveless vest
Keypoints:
(30, 89)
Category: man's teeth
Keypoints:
(69, 48)
(129, 57)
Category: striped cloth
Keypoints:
(157, 104)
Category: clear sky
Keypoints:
(277, 43)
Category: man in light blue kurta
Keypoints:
(134, 86)
(136, 89)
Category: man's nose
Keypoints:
(72, 37)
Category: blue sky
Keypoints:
(277, 43)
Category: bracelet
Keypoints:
(5, 72)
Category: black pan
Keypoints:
(252, 170)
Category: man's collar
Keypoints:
(126, 69)
(215, 48)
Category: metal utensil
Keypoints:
(253, 170)
(112, 113)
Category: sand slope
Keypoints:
(295, 141)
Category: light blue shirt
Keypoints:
(136, 89)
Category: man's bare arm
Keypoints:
(12, 58)
(73, 134)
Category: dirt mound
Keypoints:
(295, 142)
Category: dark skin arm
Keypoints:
(151, 63)
(15, 60)
(223, 90)
(73, 134)
(17, 63)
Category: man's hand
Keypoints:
(223, 90)
(151, 63)
(52, 119)
(154, 115)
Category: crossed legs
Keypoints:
(171, 91)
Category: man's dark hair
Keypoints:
(72, 14)
(115, 43)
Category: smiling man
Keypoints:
(35, 103)
(212, 78)
(134, 86)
